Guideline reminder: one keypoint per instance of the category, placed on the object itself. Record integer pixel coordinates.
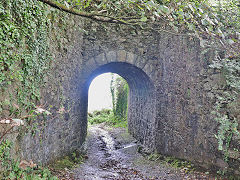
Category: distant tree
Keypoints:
(119, 90)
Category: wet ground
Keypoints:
(113, 155)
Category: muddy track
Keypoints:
(106, 160)
(112, 155)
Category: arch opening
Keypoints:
(99, 93)
(108, 100)
(141, 100)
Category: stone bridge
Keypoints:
(142, 96)
(169, 101)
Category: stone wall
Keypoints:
(63, 131)
(169, 105)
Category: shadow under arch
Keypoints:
(141, 100)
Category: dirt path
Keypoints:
(112, 155)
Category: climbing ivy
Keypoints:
(24, 60)
(227, 104)
(228, 62)
(24, 56)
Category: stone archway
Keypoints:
(141, 105)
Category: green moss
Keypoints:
(63, 163)
(68, 162)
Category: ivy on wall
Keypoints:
(227, 105)
(24, 56)
(24, 60)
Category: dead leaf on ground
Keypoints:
(24, 164)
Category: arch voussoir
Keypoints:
(111, 56)
(101, 59)
(131, 58)
(121, 55)
(140, 62)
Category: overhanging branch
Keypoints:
(94, 16)
(98, 16)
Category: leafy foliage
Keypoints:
(119, 90)
(106, 116)
(227, 104)
(24, 56)
(101, 116)
(11, 169)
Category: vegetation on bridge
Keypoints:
(24, 58)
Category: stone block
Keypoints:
(131, 58)
(101, 59)
(148, 69)
(91, 64)
(207, 86)
(121, 55)
(234, 154)
(140, 62)
(221, 163)
(130, 149)
(111, 56)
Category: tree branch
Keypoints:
(5, 132)
(94, 16)
(97, 16)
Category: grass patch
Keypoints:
(106, 116)
(186, 166)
